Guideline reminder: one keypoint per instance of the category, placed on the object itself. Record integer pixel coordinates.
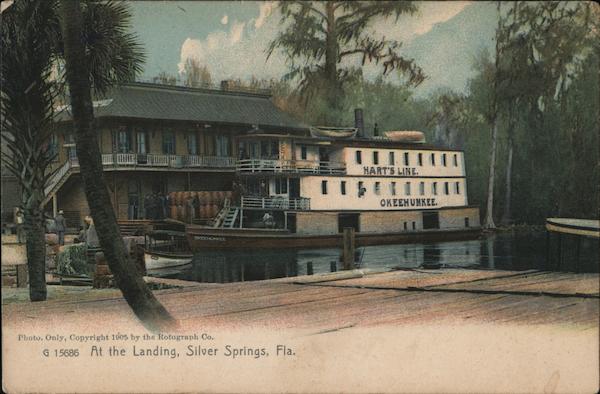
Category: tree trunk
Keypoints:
(35, 232)
(141, 300)
(331, 59)
(507, 215)
(489, 216)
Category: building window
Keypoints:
(281, 186)
(405, 226)
(222, 145)
(124, 142)
(323, 187)
(52, 149)
(406, 161)
(434, 188)
(407, 188)
(358, 157)
(414, 225)
(375, 158)
(457, 187)
(422, 188)
(391, 158)
(168, 143)
(432, 159)
(446, 188)
(361, 189)
(303, 153)
(192, 144)
(141, 140)
(466, 222)
(420, 159)
(444, 160)
(455, 159)
(377, 188)
(343, 187)
(393, 188)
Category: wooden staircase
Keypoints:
(231, 217)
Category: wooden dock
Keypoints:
(352, 299)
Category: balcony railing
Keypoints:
(170, 161)
(275, 203)
(290, 166)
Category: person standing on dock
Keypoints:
(19, 221)
(60, 226)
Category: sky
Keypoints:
(231, 38)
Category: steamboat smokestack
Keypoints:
(359, 122)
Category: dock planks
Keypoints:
(354, 299)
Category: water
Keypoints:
(502, 251)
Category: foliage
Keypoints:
(196, 75)
(322, 38)
(72, 260)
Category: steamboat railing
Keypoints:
(172, 161)
(299, 204)
(290, 166)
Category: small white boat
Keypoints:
(333, 132)
(413, 137)
(160, 260)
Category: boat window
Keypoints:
(303, 154)
(455, 158)
(407, 188)
(420, 159)
(414, 225)
(358, 157)
(432, 159)
(343, 187)
(446, 188)
(377, 188)
(361, 189)
(466, 222)
(406, 161)
(281, 186)
(434, 188)
(323, 187)
(422, 188)
(393, 188)
(457, 187)
(375, 158)
(444, 160)
(391, 158)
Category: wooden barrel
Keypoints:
(180, 212)
(203, 211)
(173, 211)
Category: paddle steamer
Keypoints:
(303, 190)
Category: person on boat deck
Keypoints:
(263, 188)
(268, 220)
(191, 211)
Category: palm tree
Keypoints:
(83, 68)
(29, 33)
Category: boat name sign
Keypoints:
(400, 171)
(408, 202)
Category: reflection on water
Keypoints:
(504, 251)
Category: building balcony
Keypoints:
(290, 166)
(275, 203)
(136, 160)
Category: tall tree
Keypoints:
(29, 41)
(322, 37)
(196, 75)
(80, 67)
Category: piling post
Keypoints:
(349, 247)
(309, 268)
(333, 266)
(22, 275)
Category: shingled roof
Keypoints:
(151, 101)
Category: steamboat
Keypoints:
(303, 190)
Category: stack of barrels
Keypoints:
(208, 204)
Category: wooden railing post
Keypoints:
(349, 246)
